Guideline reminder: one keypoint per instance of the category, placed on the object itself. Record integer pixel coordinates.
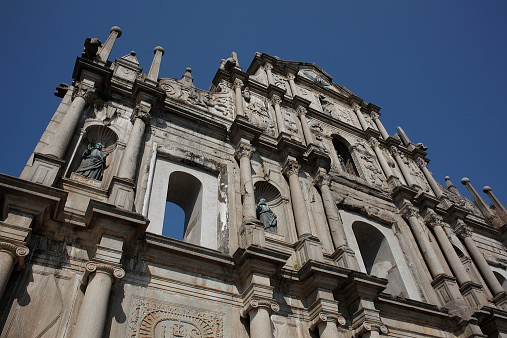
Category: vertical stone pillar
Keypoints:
(92, 314)
(360, 117)
(238, 98)
(301, 111)
(429, 177)
(10, 254)
(496, 202)
(128, 165)
(345, 255)
(380, 126)
(244, 152)
(483, 207)
(403, 168)
(292, 84)
(268, 66)
(280, 122)
(114, 34)
(155, 64)
(451, 187)
(466, 235)
(410, 213)
(404, 138)
(291, 170)
(383, 163)
(82, 94)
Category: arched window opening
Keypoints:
(378, 258)
(501, 279)
(344, 157)
(185, 191)
(174, 221)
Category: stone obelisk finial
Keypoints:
(483, 207)
(114, 33)
(496, 202)
(155, 65)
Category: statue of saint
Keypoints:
(266, 216)
(94, 162)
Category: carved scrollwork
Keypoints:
(267, 304)
(408, 210)
(432, 219)
(463, 230)
(91, 267)
(17, 252)
(292, 167)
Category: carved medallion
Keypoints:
(152, 318)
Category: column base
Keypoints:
(46, 169)
(393, 182)
(345, 257)
(500, 300)
(122, 191)
(308, 247)
(447, 290)
(473, 294)
(251, 232)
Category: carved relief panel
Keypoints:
(368, 162)
(260, 76)
(152, 318)
(259, 114)
(292, 124)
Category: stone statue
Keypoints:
(266, 216)
(94, 162)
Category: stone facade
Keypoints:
(366, 243)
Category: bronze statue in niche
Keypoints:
(266, 216)
(94, 162)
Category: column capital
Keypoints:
(462, 230)
(244, 149)
(276, 99)
(238, 83)
(421, 163)
(291, 167)
(141, 112)
(115, 272)
(17, 252)
(291, 76)
(394, 151)
(268, 66)
(356, 107)
(83, 90)
(267, 304)
(432, 219)
(373, 142)
(300, 110)
(325, 316)
(322, 179)
(408, 210)
(374, 115)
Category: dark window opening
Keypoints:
(344, 157)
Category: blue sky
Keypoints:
(436, 68)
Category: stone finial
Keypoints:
(486, 189)
(483, 207)
(155, 65)
(465, 180)
(502, 211)
(448, 182)
(114, 33)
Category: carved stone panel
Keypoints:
(152, 318)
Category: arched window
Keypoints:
(344, 157)
(378, 258)
(501, 279)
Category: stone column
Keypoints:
(82, 93)
(483, 207)
(268, 66)
(292, 84)
(114, 34)
(360, 117)
(466, 234)
(92, 314)
(238, 98)
(380, 126)
(496, 202)
(291, 170)
(280, 122)
(301, 111)
(410, 213)
(244, 152)
(348, 257)
(451, 187)
(434, 221)
(10, 254)
(128, 165)
(383, 163)
(429, 177)
(155, 64)
(403, 168)
(328, 325)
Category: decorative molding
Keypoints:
(324, 316)
(115, 272)
(17, 252)
(153, 318)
